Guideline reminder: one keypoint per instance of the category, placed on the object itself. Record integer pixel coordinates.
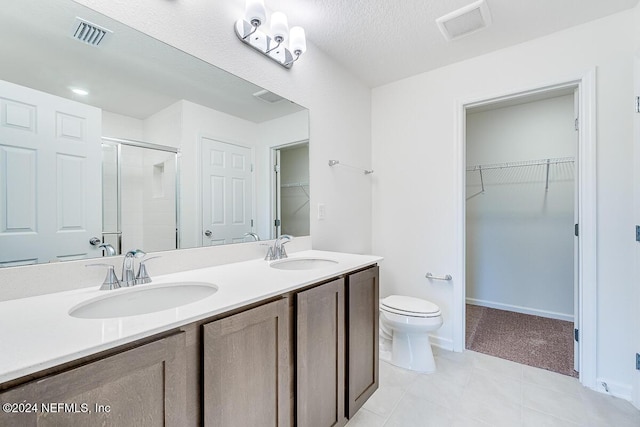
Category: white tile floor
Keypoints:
(473, 389)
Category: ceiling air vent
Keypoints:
(89, 33)
(464, 21)
(266, 96)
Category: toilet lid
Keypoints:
(409, 306)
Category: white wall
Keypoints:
(119, 126)
(164, 127)
(414, 197)
(339, 104)
(519, 237)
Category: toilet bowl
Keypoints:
(407, 322)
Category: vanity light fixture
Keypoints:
(274, 45)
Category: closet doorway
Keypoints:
(585, 305)
(291, 191)
(521, 254)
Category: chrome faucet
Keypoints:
(254, 235)
(128, 276)
(277, 251)
(128, 271)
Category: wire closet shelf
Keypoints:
(527, 171)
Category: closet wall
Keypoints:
(519, 247)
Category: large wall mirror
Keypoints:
(112, 140)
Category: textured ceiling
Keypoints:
(381, 41)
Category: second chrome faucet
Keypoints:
(278, 251)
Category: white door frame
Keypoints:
(586, 173)
(636, 180)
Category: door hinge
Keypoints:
(576, 230)
(277, 223)
(637, 233)
(637, 104)
(638, 361)
(251, 223)
(576, 335)
(276, 168)
(251, 167)
(576, 124)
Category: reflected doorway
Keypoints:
(291, 189)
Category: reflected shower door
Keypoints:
(140, 197)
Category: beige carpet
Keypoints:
(531, 340)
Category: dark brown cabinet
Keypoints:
(246, 368)
(336, 348)
(307, 358)
(144, 386)
(362, 337)
(320, 337)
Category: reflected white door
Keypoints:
(227, 192)
(50, 184)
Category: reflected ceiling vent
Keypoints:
(89, 33)
(464, 21)
(269, 97)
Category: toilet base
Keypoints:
(412, 351)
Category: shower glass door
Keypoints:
(139, 196)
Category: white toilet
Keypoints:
(407, 322)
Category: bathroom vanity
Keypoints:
(295, 344)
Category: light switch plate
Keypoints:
(322, 211)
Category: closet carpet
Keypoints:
(530, 340)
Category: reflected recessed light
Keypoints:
(81, 92)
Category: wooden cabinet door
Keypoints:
(362, 341)
(320, 356)
(144, 386)
(247, 368)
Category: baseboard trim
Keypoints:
(623, 391)
(520, 309)
(443, 343)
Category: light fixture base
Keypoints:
(264, 43)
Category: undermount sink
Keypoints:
(302, 263)
(151, 298)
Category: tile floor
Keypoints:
(474, 389)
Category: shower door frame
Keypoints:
(118, 143)
(586, 213)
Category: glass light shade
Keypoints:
(254, 10)
(279, 26)
(297, 40)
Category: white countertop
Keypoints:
(38, 332)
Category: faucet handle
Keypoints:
(270, 256)
(143, 276)
(285, 238)
(111, 281)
